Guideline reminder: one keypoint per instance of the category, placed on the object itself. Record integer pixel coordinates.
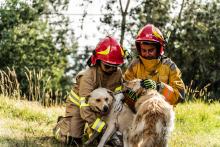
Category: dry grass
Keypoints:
(38, 88)
(26, 123)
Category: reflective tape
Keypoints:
(73, 97)
(83, 102)
(80, 102)
(168, 92)
(118, 88)
(105, 52)
(98, 125)
(57, 134)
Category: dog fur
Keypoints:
(149, 127)
(100, 100)
(153, 121)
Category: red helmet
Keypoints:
(150, 33)
(109, 51)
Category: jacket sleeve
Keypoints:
(88, 115)
(86, 86)
(177, 84)
(131, 71)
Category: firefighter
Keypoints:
(103, 71)
(157, 71)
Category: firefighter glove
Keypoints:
(131, 94)
(149, 84)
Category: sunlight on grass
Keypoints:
(196, 124)
(26, 123)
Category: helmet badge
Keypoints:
(105, 52)
(156, 32)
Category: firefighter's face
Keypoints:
(109, 69)
(148, 51)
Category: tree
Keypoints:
(196, 46)
(80, 60)
(30, 38)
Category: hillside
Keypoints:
(25, 123)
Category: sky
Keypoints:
(91, 22)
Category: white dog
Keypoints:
(101, 101)
(118, 120)
(149, 127)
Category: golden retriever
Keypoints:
(153, 121)
(100, 100)
(150, 126)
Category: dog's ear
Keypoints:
(87, 98)
(110, 92)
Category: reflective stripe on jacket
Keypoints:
(98, 125)
(89, 80)
(79, 101)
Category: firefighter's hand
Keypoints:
(131, 94)
(95, 134)
(118, 105)
(149, 84)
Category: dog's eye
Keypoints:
(106, 99)
(98, 100)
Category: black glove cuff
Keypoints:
(142, 84)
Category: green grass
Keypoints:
(25, 123)
(197, 124)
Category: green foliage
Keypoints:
(147, 11)
(30, 38)
(80, 60)
(195, 44)
(27, 123)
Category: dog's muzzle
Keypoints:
(105, 109)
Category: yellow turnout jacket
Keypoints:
(160, 70)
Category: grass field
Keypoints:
(197, 125)
(25, 123)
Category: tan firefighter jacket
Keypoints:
(90, 79)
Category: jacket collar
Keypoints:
(150, 65)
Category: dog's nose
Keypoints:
(105, 108)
